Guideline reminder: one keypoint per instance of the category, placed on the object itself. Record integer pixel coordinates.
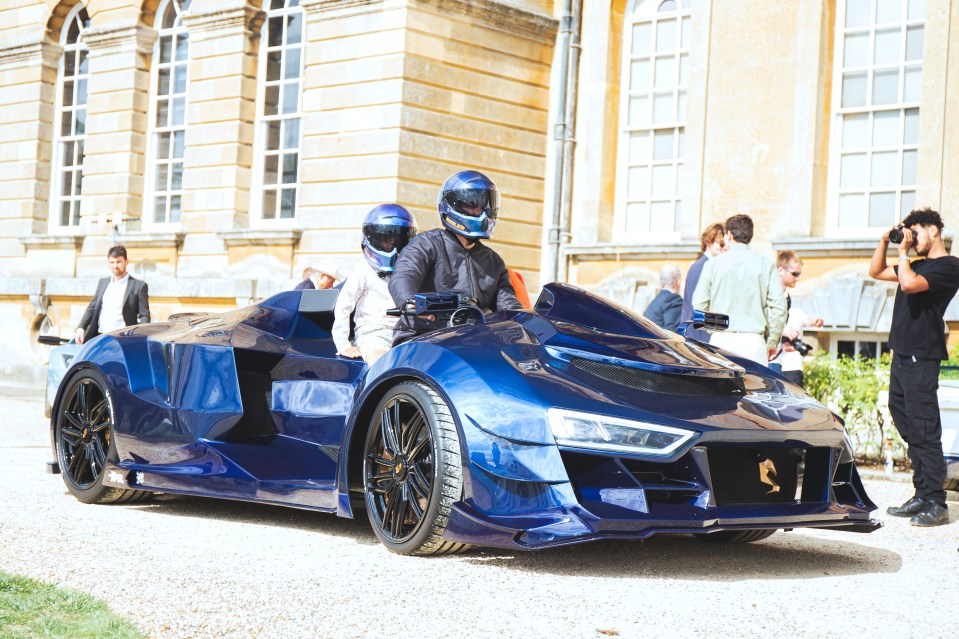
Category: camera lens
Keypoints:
(895, 235)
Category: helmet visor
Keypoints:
(473, 202)
(386, 237)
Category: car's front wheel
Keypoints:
(83, 433)
(412, 472)
(736, 536)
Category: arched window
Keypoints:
(279, 110)
(70, 121)
(874, 144)
(167, 141)
(652, 119)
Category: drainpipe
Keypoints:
(563, 135)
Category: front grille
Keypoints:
(654, 382)
(754, 476)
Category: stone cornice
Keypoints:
(501, 16)
(152, 240)
(823, 247)
(260, 237)
(74, 241)
(27, 53)
(119, 38)
(682, 250)
(314, 7)
(235, 14)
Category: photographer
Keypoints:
(917, 339)
(789, 266)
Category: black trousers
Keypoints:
(914, 405)
(796, 377)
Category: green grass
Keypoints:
(30, 608)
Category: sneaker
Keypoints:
(932, 514)
(908, 509)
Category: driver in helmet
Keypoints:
(453, 258)
(386, 230)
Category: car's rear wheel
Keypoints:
(412, 472)
(735, 536)
(83, 433)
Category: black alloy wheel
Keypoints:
(83, 433)
(412, 471)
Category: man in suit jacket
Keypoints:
(120, 300)
(666, 307)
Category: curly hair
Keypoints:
(923, 217)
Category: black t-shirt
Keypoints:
(917, 326)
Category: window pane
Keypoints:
(179, 79)
(272, 136)
(289, 168)
(856, 50)
(666, 35)
(68, 93)
(667, 5)
(66, 121)
(182, 47)
(846, 348)
(638, 110)
(67, 189)
(665, 72)
(166, 48)
(163, 176)
(680, 151)
(888, 11)
(908, 202)
(885, 86)
(68, 63)
(273, 59)
(641, 38)
(638, 148)
(294, 28)
(68, 153)
(288, 203)
(81, 91)
(271, 100)
(853, 89)
(850, 210)
(635, 217)
(884, 169)
(914, 43)
(163, 145)
(291, 133)
(886, 50)
(159, 209)
(686, 37)
(179, 141)
(917, 9)
(292, 63)
(276, 31)
(852, 171)
(882, 209)
(637, 183)
(857, 13)
(912, 90)
(854, 128)
(81, 124)
(664, 181)
(178, 116)
(270, 169)
(681, 106)
(639, 75)
(683, 69)
(84, 65)
(163, 82)
(163, 112)
(176, 184)
(269, 204)
(65, 213)
(910, 134)
(291, 96)
(909, 167)
(175, 208)
(885, 128)
(663, 108)
(663, 145)
(661, 215)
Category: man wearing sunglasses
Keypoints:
(453, 258)
(789, 266)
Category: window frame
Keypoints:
(153, 131)
(59, 140)
(260, 137)
(646, 227)
(834, 189)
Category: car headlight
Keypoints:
(614, 434)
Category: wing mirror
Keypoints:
(708, 321)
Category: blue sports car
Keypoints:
(574, 421)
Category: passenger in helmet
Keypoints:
(453, 258)
(387, 229)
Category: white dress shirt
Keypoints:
(111, 306)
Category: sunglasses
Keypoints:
(795, 273)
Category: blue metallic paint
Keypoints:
(178, 395)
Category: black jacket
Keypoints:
(136, 307)
(665, 309)
(436, 261)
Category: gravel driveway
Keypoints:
(191, 567)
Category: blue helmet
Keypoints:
(469, 204)
(386, 230)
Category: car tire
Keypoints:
(83, 429)
(412, 471)
(735, 536)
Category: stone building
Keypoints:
(230, 143)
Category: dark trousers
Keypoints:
(915, 410)
(796, 377)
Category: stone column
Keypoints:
(28, 75)
(116, 133)
(221, 101)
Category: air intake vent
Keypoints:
(653, 382)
